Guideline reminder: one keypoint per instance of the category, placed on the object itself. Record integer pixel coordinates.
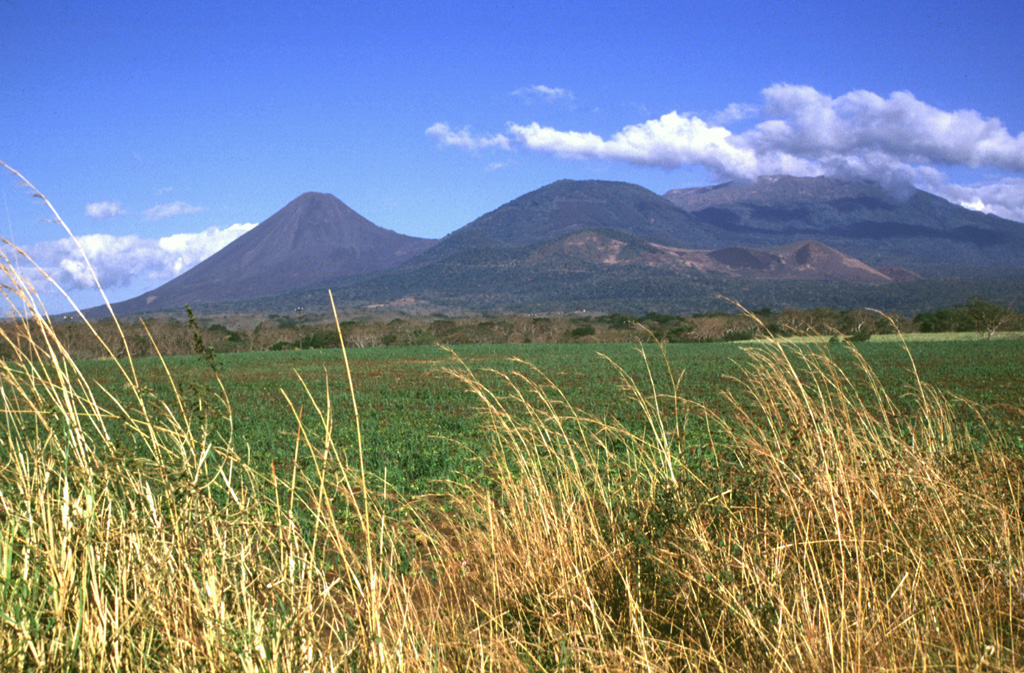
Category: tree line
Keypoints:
(300, 331)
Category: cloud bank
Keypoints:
(896, 140)
(118, 260)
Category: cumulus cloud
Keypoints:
(805, 122)
(547, 94)
(804, 132)
(464, 139)
(170, 210)
(102, 210)
(670, 141)
(897, 140)
(118, 260)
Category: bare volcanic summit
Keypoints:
(313, 239)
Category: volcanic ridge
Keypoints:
(591, 244)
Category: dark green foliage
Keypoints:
(942, 320)
(516, 287)
(660, 318)
(619, 320)
(976, 315)
(197, 339)
(321, 338)
(679, 333)
(986, 316)
(583, 331)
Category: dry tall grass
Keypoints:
(825, 524)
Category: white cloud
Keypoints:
(811, 124)
(735, 112)
(464, 139)
(1004, 198)
(668, 142)
(547, 94)
(805, 132)
(186, 250)
(118, 260)
(897, 140)
(102, 210)
(170, 210)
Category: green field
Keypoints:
(421, 424)
(772, 506)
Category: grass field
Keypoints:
(419, 422)
(768, 506)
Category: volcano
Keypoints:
(313, 239)
(882, 227)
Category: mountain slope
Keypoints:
(608, 271)
(581, 245)
(597, 224)
(313, 239)
(567, 206)
(912, 228)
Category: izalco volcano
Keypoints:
(314, 239)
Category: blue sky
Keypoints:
(162, 130)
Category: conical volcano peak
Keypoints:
(314, 199)
(313, 239)
(309, 203)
